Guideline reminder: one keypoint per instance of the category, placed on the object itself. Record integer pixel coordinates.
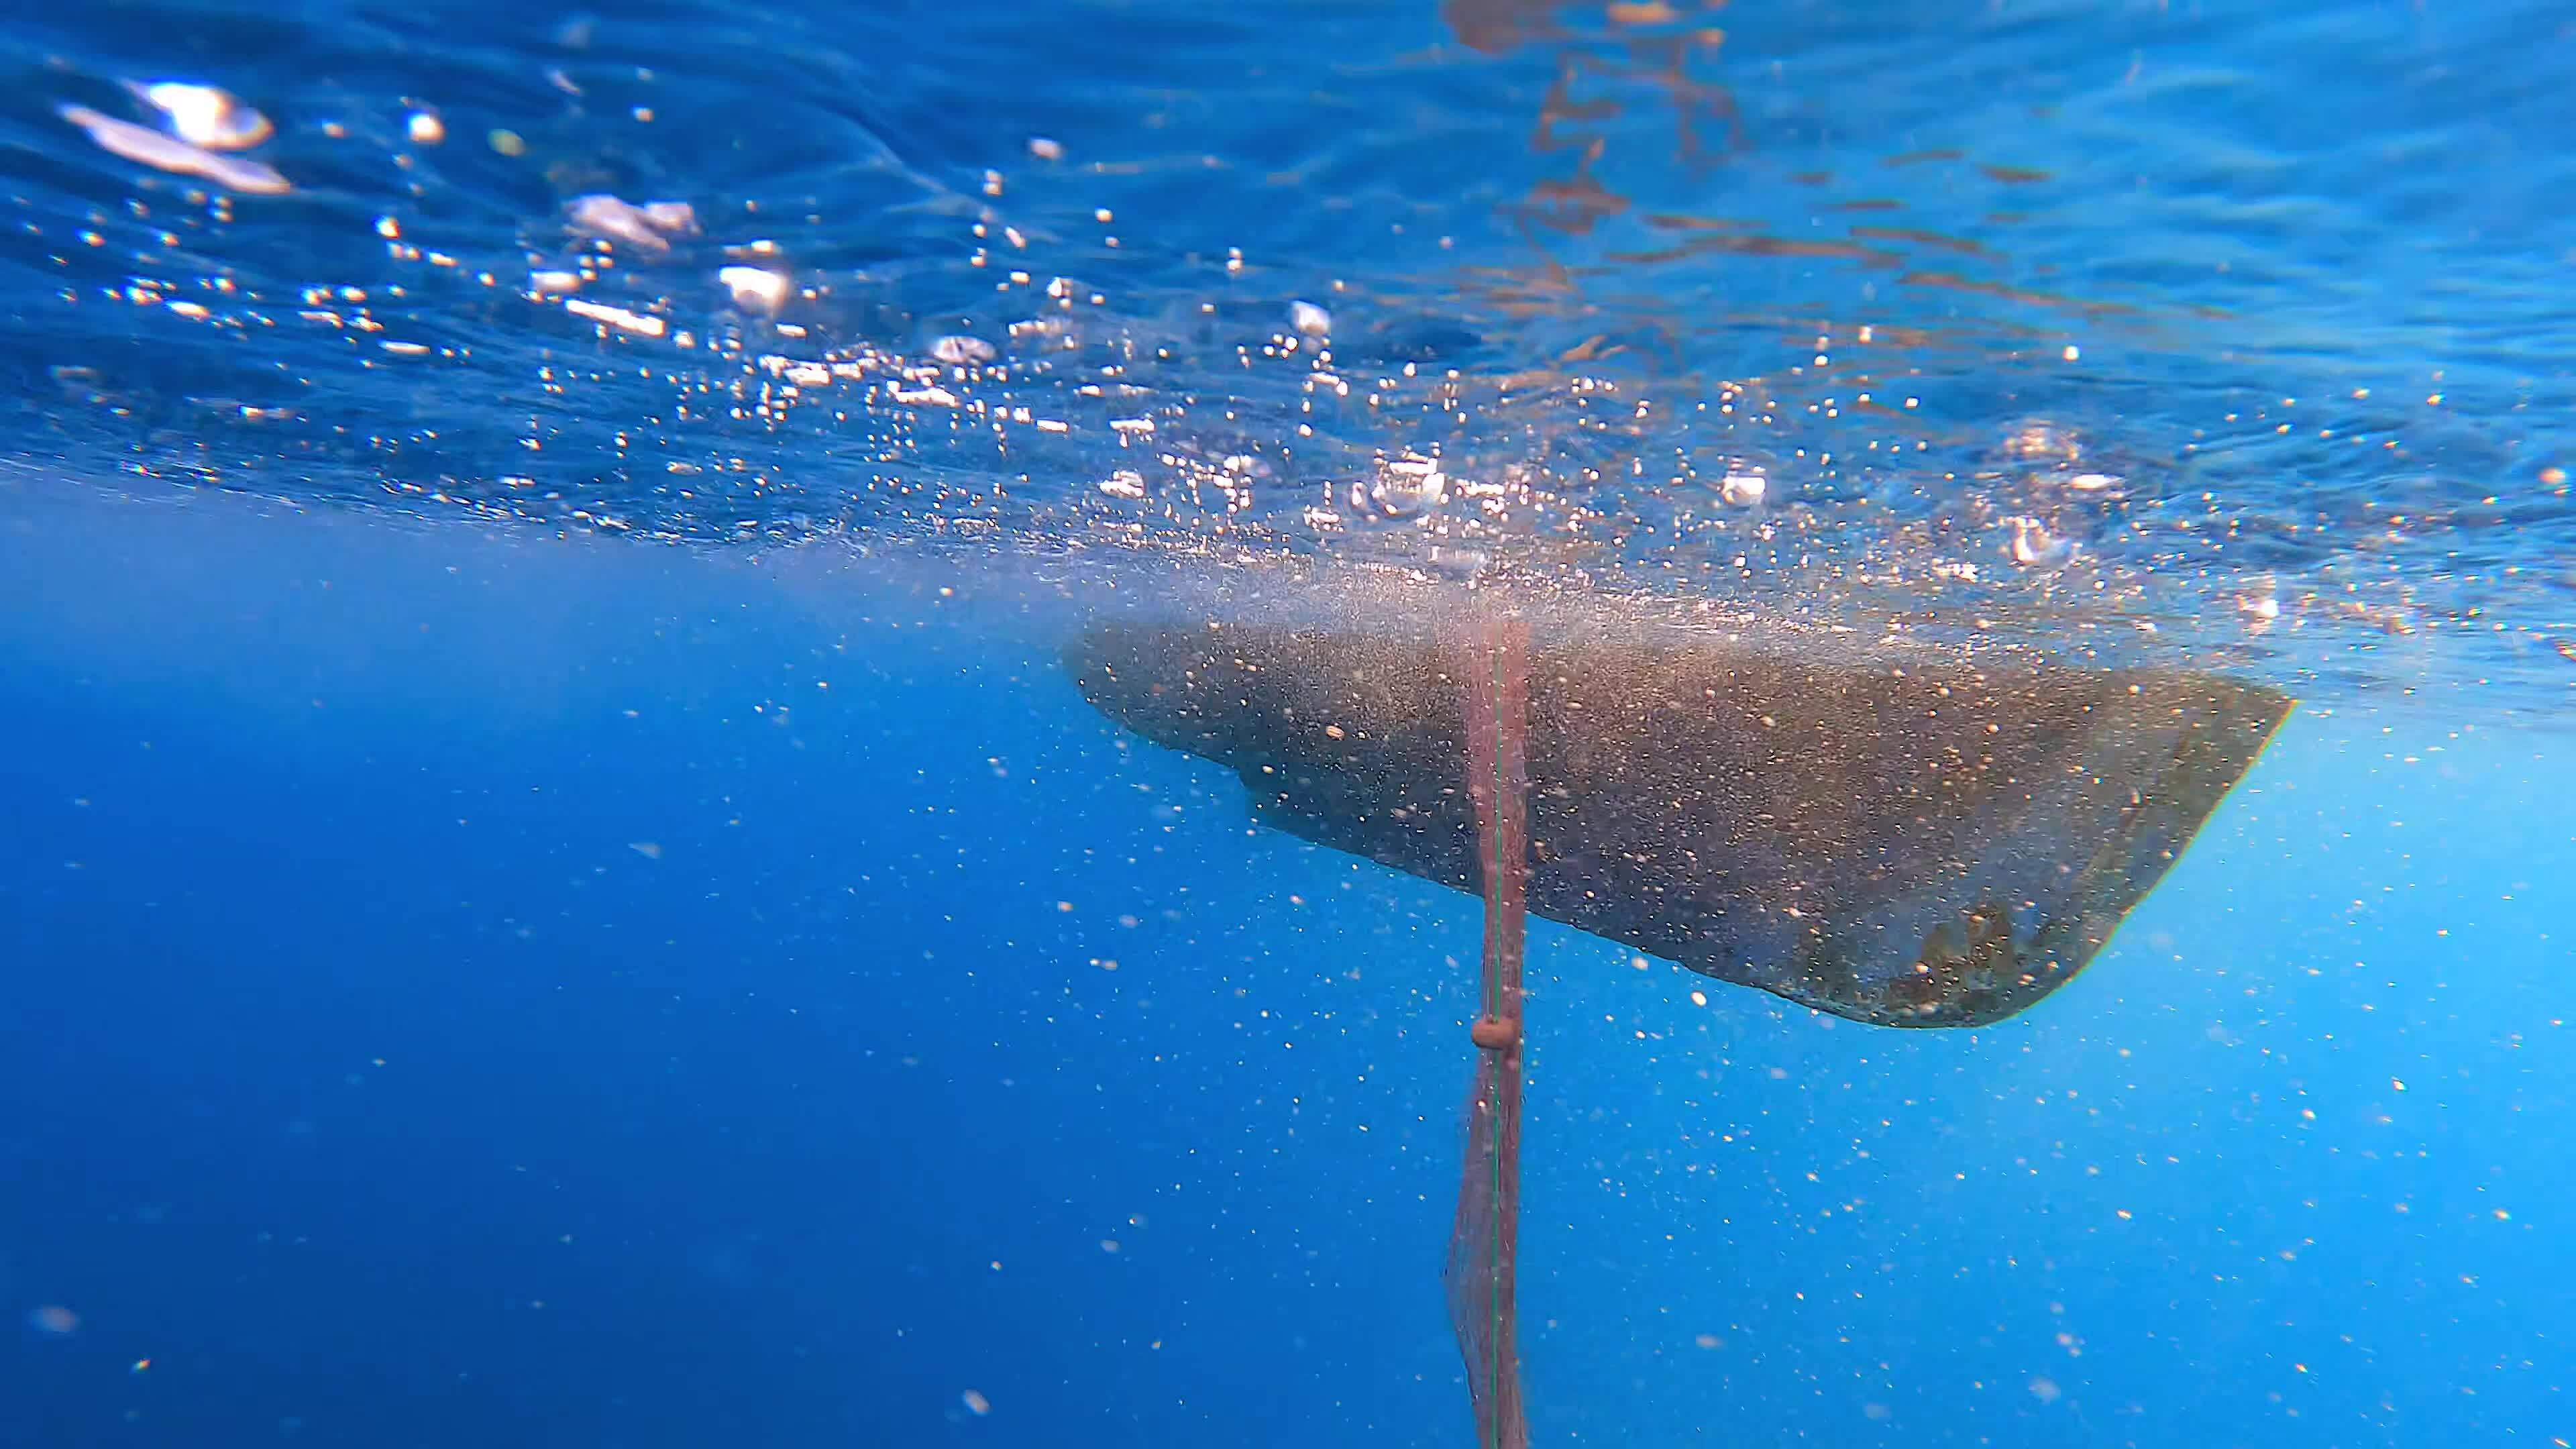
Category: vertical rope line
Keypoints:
(1498, 784)
(1491, 656)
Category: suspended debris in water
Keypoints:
(962, 350)
(169, 153)
(648, 228)
(754, 289)
(207, 116)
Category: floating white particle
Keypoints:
(617, 317)
(1125, 483)
(2033, 545)
(976, 1403)
(1309, 319)
(548, 284)
(425, 129)
(169, 153)
(754, 288)
(649, 227)
(205, 115)
(1404, 486)
(962, 350)
(1045, 149)
(1743, 489)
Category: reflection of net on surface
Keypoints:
(1483, 1238)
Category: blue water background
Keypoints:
(365, 1078)
(529, 918)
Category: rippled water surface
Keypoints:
(2228, 330)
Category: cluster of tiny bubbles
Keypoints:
(726, 385)
(323, 308)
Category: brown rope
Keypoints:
(1484, 1236)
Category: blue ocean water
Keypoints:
(555, 890)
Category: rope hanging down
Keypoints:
(1484, 1237)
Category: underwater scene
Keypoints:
(1421, 723)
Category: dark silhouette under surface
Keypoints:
(1932, 843)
